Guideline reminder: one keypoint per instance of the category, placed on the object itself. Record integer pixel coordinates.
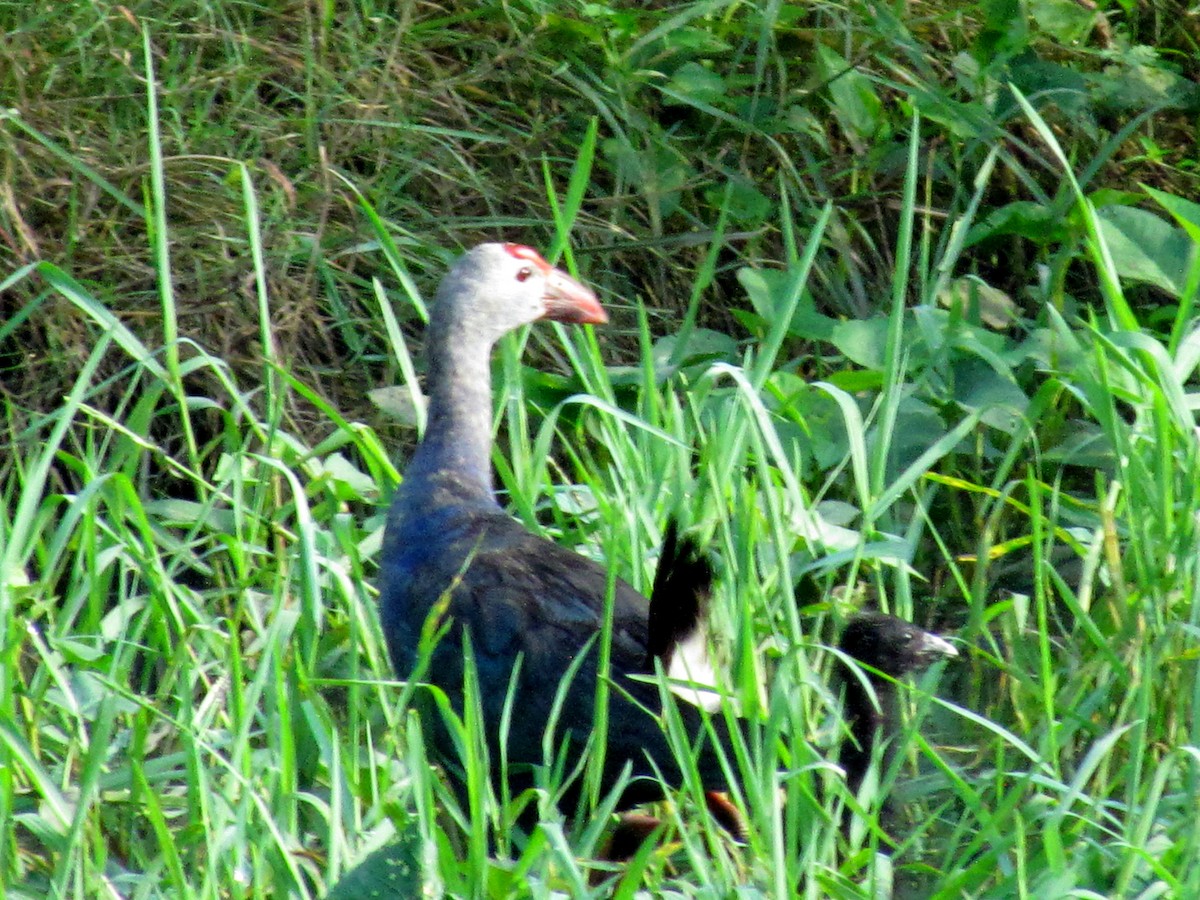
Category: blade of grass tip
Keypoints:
(1118, 307)
(98, 747)
(564, 216)
(649, 398)
(13, 116)
(391, 252)
(23, 530)
(156, 221)
(953, 248)
(787, 227)
(560, 698)
(266, 337)
(769, 352)
(704, 277)
(401, 352)
(894, 356)
(587, 365)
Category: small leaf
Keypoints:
(862, 341)
(703, 345)
(697, 83)
(744, 203)
(855, 103)
(1025, 218)
(974, 297)
(397, 402)
(1185, 212)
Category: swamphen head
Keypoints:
(493, 288)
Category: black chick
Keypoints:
(882, 645)
(885, 645)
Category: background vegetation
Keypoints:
(904, 313)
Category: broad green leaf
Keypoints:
(695, 82)
(1034, 221)
(1146, 248)
(702, 344)
(1185, 212)
(768, 292)
(742, 201)
(393, 870)
(855, 103)
(862, 341)
(1066, 21)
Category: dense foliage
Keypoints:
(904, 303)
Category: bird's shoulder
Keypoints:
(520, 590)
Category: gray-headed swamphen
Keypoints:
(451, 552)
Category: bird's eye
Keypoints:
(524, 273)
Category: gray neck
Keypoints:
(457, 446)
